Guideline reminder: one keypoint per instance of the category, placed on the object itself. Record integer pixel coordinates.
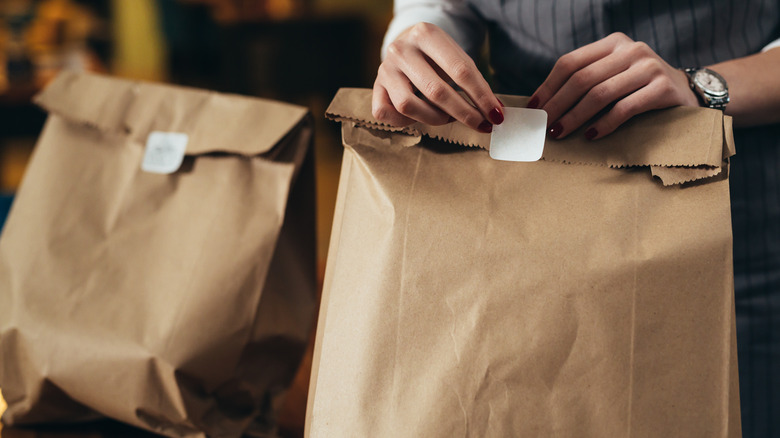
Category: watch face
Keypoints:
(709, 82)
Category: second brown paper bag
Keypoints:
(180, 303)
(589, 294)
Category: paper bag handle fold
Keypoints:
(214, 122)
(682, 143)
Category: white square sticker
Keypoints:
(164, 152)
(521, 136)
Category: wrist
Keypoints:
(690, 98)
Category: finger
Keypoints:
(572, 62)
(581, 83)
(383, 110)
(438, 92)
(457, 65)
(406, 102)
(653, 96)
(599, 97)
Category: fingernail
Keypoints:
(555, 130)
(485, 127)
(591, 133)
(533, 103)
(496, 116)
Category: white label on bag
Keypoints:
(520, 137)
(164, 152)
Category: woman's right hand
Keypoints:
(413, 83)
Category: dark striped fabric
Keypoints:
(755, 215)
(527, 37)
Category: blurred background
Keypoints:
(297, 51)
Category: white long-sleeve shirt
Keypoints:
(453, 16)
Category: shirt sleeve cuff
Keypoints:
(457, 22)
(773, 45)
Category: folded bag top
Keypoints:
(679, 145)
(248, 126)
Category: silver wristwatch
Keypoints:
(709, 87)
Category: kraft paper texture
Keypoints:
(177, 303)
(589, 294)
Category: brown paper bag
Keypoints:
(179, 303)
(577, 296)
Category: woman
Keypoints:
(596, 64)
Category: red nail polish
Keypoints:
(591, 133)
(533, 103)
(496, 116)
(555, 130)
(485, 127)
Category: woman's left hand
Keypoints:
(615, 71)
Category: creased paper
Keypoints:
(178, 303)
(469, 297)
